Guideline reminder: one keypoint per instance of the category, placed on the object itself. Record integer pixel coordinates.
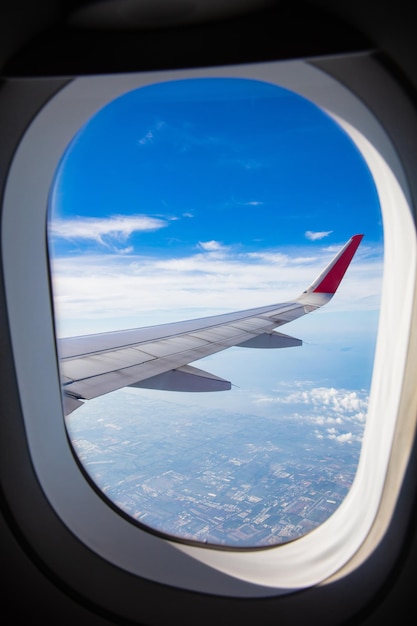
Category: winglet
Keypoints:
(330, 278)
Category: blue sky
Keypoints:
(239, 162)
(189, 198)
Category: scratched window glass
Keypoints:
(206, 394)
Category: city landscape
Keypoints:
(230, 480)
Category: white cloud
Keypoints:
(116, 228)
(211, 246)
(149, 136)
(182, 137)
(345, 438)
(341, 438)
(349, 400)
(330, 410)
(277, 258)
(342, 402)
(317, 235)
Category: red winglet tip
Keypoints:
(333, 277)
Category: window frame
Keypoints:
(276, 570)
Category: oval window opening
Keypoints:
(192, 199)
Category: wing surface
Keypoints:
(158, 357)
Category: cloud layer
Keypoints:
(213, 279)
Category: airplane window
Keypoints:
(208, 278)
(190, 199)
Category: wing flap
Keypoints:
(271, 340)
(185, 378)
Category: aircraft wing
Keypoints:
(158, 357)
